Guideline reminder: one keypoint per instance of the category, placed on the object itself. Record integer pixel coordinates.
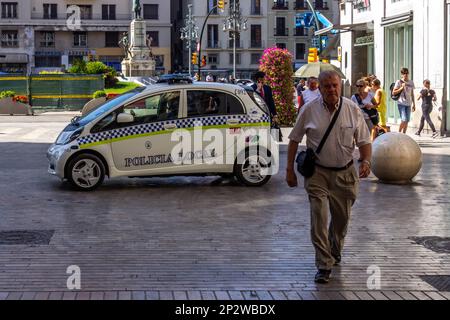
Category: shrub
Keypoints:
(96, 67)
(110, 78)
(51, 72)
(7, 94)
(99, 94)
(78, 66)
(277, 65)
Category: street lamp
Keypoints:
(189, 33)
(234, 24)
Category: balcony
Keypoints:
(300, 32)
(281, 32)
(321, 5)
(239, 44)
(256, 11)
(213, 45)
(257, 44)
(300, 5)
(120, 17)
(280, 5)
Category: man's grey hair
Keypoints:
(328, 74)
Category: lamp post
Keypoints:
(235, 23)
(189, 33)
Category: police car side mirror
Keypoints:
(125, 118)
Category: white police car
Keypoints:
(172, 128)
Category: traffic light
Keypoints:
(194, 58)
(221, 4)
(313, 55)
(203, 61)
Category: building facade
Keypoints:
(286, 31)
(50, 34)
(381, 37)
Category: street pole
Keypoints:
(190, 40)
(200, 41)
(234, 40)
(189, 33)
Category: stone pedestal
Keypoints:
(140, 63)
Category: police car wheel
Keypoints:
(86, 172)
(252, 171)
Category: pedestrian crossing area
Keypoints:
(30, 132)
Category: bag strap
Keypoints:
(330, 127)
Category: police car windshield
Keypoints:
(106, 107)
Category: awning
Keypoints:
(401, 18)
(354, 27)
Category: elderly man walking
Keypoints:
(334, 185)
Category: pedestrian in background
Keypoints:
(265, 92)
(311, 93)
(380, 98)
(334, 185)
(406, 102)
(428, 96)
(366, 101)
(209, 78)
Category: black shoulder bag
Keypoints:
(306, 160)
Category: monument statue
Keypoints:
(124, 43)
(137, 9)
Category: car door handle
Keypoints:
(170, 126)
(232, 121)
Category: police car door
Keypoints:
(144, 146)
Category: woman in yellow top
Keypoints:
(380, 97)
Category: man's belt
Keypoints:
(336, 169)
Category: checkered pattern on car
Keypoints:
(159, 126)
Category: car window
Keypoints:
(159, 107)
(205, 103)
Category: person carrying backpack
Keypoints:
(405, 89)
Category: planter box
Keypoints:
(11, 107)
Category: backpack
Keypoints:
(394, 97)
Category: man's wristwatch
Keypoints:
(368, 163)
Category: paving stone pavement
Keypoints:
(200, 238)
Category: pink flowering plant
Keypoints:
(277, 65)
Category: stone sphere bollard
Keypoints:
(396, 158)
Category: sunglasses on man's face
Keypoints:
(359, 86)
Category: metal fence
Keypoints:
(58, 91)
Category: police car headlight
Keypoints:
(66, 137)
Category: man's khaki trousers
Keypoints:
(334, 192)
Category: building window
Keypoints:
(212, 4)
(50, 11)
(9, 10)
(213, 36)
(255, 41)
(256, 7)
(85, 11)
(151, 11)
(281, 29)
(238, 58)
(111, 39)
(300, 49)
(255, 57)
(231, 41)
(281, 45)
(80, 39)
(10, 39)
(109, 12)
(213, 59)
(154, 36)
(47, 61)
(300, 5)
(361, 5)
(47, 39)
(280, 5)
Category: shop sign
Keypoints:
(363, 41)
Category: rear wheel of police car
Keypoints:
(252, 171)
(86, 172)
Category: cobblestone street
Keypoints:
(207, 238)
